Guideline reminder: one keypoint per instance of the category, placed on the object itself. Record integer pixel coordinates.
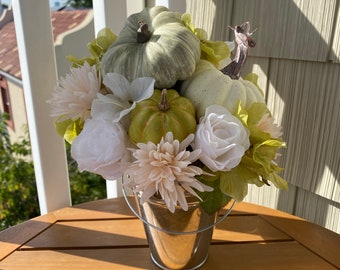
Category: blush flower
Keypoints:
(73, 97)
(165, 168)
(266, 124)
(222, 138)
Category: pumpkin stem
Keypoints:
(163, 105)
(143, 33)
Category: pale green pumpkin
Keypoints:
(164, 48)
(208, 86)
(165, 111)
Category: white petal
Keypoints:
(147, 193)
(181, 198)
(109, 108)
(186, 142)
(168, 137)
(73, 96)
(142, 88)
(118, 84)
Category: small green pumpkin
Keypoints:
(154, 43)
(208, 86)
(165, 111)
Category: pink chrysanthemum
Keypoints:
(165, 168)
(73, 97)
(266, 124)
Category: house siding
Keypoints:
(18, 111)
(64, 45)
(297, 59)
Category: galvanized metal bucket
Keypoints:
(178, 240)
(175, 243)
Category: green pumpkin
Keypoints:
(154, 43)
(165, 111)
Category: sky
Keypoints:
(5, 2)
(8, 2)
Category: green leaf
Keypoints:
(214, 200)
(105, 38)
(80, 62)
(97, 47)
(68, 129)
(61, 126)
(234, 183)
(213, 51)
(252, 77)
(265, 153)
(256, 112)
(278, 181)
(187, 21)
(71, 132)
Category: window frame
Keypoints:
(6, 101)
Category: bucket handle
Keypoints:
(219, 220)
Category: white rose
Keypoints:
(222, 139)
(101, 148)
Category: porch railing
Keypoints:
(39, 75)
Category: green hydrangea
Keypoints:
(97, 47)
(213, 51)
(69, 129)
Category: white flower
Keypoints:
(222, 138)
(101, 148)
(266, 124)
(165, 168)
(73, 97)
(124, 96)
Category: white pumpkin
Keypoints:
(208, 86)
(164, 48)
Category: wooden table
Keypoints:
(105, 235)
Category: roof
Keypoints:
(62, 21)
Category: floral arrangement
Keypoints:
(165, 107)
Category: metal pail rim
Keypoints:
(135, 212)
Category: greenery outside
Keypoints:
(18, 192)
(78, 4)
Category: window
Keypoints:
(6, 103)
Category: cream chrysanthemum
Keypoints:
(165, 168)
(73, 97)
(266, 124)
